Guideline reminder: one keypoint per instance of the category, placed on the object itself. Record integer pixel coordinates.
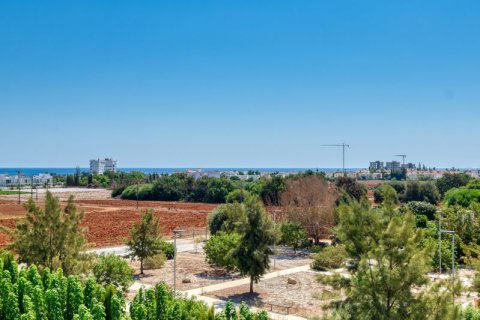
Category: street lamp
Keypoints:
(274, 238)
(175, 232)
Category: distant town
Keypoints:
(377, 170)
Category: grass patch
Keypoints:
(11, 192)
(326, 295)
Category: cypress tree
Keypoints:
(54, 307)
(74, 297)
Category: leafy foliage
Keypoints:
(114, 270)
(53, 296)
(331, 257)
(422, 208)
(159, 303)
(390, 261)
(452, 180)
(293, 234)
(351, 188)
(50, 236)
(220, 248)
(145, 238)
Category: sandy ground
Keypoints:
(193, 266)
(62, 193)
(276, 294)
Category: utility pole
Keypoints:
(440, 243)
(175, 232)
(137, 195)
(343, 145)
(18, 180)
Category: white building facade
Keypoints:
(100, 166)
(7, 180)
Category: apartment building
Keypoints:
(100, 166)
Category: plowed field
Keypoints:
(108, 221)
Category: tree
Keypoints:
(422, 208)
(421, 191)
(111, 269)
(272, 189)
(256, 236)
(452, 180)
(310, 201)
(293, 234)
(49, 236)
(145, 238)
(391, 262)
(351, 188)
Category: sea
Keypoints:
(65, 171)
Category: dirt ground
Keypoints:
(193, 266)
(276, 294)
(107, 221)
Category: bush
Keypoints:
(144, 192)
(219, 249)
(331, 257)
(113, 270)
(168, 249)
(293, 234)
(237, 195)
(422, 208)
(462, 196)
(421, 191)
(452, 180)
(352, 188)
(216, 219)
(155, 262)
(421, 221)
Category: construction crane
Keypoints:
(403, 157)
(343, 145)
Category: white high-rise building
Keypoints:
(99, 166)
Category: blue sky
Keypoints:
(239, 83)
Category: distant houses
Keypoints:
(7, 180)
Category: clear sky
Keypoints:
(251, 83)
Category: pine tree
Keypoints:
(391, 262)
(253, 252)
(49, 234)
(145, 238)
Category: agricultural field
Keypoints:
(108, 220)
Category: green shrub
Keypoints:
(216, 219)
(237, 195)
(422, 208)
(421, 191)
(219, 249)
(168, 249)
(462, 197)
(144, 192)
(155, 262)
(421, 221)
(293, 234)
(331, 257)
(114, 270)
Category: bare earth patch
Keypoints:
(302, 297)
